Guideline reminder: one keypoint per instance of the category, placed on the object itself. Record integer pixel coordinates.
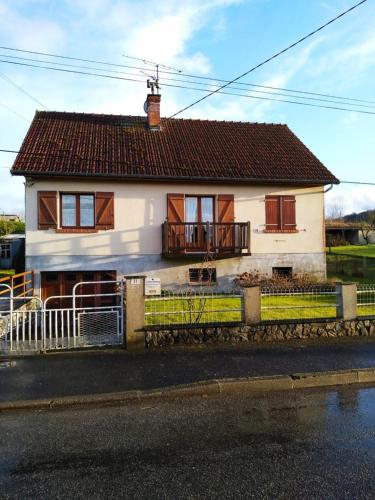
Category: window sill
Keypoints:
(76, 230)
(281, 231)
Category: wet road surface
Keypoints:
(305, 444)
(53, 376)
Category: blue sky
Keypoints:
(218, 38)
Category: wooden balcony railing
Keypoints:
(215, 238)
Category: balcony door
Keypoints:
(199, 210)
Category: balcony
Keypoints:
(217, 239)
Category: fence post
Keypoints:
(346, 301)
(134, 338)
(251, 299)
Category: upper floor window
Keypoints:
(280, 213)
(77, 210)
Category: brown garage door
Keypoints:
(61, 283)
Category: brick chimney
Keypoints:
(153, 111)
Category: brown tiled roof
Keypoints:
(77, 144)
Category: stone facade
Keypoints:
(266, 332)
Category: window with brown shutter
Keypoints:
(280, 213)
(79, 212)
(47, 209)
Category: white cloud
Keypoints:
(158, 31)
(35, 33)
(351, 198)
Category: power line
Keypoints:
(355, 182)
(219, 90)
(5, 77)
(205, 84)
(13, 111)
(274, 56)
(187, 75)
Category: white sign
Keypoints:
(152, 286)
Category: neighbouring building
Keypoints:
(11, 217)
(12, 252)
(111, 195)
(339, 232)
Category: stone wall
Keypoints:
(265, 332)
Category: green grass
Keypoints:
(342, 267)
(298, 307)
(355, 251)
(199, 310)
(193, 310)
(6, 272)
(366, 311)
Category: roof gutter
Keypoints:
(181, 178)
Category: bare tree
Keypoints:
(368, 226)
(336, 209)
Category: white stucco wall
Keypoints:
(140, 209)
(135, 245)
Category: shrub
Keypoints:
(276, 281)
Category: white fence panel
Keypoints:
(36, 326)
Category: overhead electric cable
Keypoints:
(274, 56)
(337, 108)
(14, 112)
(202, 83)
(187, 75)
(5, 77)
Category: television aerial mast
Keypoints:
(153, 80)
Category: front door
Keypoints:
(199, 216)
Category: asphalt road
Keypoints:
(305, 444)
(70, 374)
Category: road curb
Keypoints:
(203, 388)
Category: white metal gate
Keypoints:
(62, 322)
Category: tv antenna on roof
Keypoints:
(153, 81)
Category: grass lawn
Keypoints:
(205, 309)
(354, 251)
(352, 263)
(6, 272)
(179, 311)
(304, 306)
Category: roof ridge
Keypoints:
(41, 113)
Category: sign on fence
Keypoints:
(152, 286)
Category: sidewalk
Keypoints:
(86, 373)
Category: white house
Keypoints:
(111, 195)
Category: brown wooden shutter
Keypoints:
(272, 213)
(176, 218)
(225, 207)
(47, 209)
(104, 211)
(225, 232)
(288, 213)
(175, 207)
